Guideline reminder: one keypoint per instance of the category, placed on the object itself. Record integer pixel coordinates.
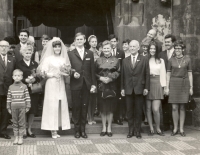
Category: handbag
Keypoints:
(191, 105)
(108, 93)
(36, 88)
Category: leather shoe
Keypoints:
(182, 134)
(84, 135)
(102, 134)
(160, 133)
(5, 136)
(138, 135)
(77, 135)
(119, 122)
(109, 134)
(130, 134)
(174, 133)
(31, 135)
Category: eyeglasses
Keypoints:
(5, 46)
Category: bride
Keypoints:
(55, 109)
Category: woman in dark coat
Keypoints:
(107, 71)
(28, 67)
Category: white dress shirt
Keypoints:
(23, 45)
(135, 57)
(114, 50)
(81, 52)
(4, 57)
(169, 53)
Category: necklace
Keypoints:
(179, 64)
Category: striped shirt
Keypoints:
(18, 96)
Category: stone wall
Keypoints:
(6, 18)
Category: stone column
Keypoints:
(6, 18)
(186, 25)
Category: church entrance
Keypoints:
(64, 18)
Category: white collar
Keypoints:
(80, 49)
(134, 56)
(5, 56)
(27, 62)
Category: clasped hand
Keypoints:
(30, 80)
(105, 79)
(76, 75)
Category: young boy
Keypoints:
(18, 103)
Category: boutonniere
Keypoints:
(138, 60)
(85, 52)
(9, 61)
(117, 52)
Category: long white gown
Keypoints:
(55, 92)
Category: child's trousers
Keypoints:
(19, 121)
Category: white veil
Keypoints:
(48, 51)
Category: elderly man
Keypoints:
(7, 65)
(151, 36)
(135, 83)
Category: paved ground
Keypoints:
(96, 145)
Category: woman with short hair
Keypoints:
(107, 71)
(28, 67)
(179, 85)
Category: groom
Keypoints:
(82, 82)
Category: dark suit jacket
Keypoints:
(85, 68)
(27, 70)
(6, 74)
(163, 55)
(137, 78)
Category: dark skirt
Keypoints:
(179, 90)
(156, 91)
(34, 103)
(106, 105)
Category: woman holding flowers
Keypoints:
(55, 66)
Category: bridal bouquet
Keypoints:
(65, 69)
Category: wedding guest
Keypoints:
(93, 97)
(179, 86)
(7, 65)
(166, 55)
(38, 54)
(117, 115)
(82, 82)
(107, 72)
(55, 112)
(28, 67)
(144, 52)
(23, 37)
(152, 36)
(134, 84)
(18, 107)
(156, 93)
(125, 46)
(12, 42)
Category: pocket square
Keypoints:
(138, 60)
(87, 58)
(119, 58)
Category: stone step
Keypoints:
(90, 129)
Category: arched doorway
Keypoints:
(66, 16)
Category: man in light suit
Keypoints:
(166, 55)
(135, 82)
(23, 37)
(82, 82)
(7, 65)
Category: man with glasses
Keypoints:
(7, 65)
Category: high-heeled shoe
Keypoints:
(54, 134)
(174, 133)
(182, 134)
(151, 133)
(160, 133)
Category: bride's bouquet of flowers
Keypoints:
(65, 69)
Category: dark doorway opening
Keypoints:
(68, 16)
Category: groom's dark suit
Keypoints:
(81, 87)
(134, 79)
(5, 82)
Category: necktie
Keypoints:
(168, 56)
(4, 60)
(133, 62)
(114, 52)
